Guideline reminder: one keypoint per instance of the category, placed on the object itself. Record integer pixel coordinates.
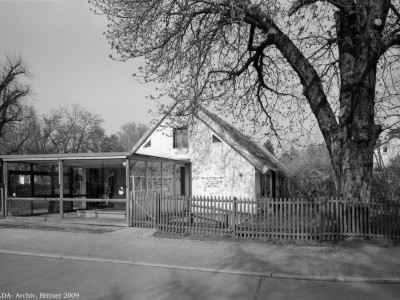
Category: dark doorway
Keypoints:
(183, 180)
(273, 188)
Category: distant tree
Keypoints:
(269, 146)
(131, 133)
(111, 143)
(15, 115)
(312, 173)
(67, 129)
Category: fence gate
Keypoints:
(145, 209)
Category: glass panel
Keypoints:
(19, 167)
(167, 181)
(104, 183)
(34, 207)
(43, 185)
(138, 171)
(185, 139)
(19, 185)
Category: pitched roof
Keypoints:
(257, 155)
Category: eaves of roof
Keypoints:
(65, 156)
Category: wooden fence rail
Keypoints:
(265, 218)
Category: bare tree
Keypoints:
(18, 134)
(14, 114)
(131, 133)
(111, 143)
(67, 129)
(277, 64)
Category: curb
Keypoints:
(342, 279)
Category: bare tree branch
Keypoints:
(341, 4)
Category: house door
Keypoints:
(182, 181)
(185, 180)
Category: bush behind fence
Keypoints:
(266, 218)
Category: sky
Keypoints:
(63, 43)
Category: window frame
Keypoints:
(179, 139)
(147, 144)
(215, 139)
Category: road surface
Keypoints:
(27, 277)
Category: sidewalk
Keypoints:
(356, 261)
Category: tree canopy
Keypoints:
(130, 134)
(277, 64)
(260, 60)
(66, 129)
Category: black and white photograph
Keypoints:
(200, 149)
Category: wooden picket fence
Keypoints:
(265, 218)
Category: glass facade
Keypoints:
(35, 189)
(148, 177)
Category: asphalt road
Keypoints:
(49, 278)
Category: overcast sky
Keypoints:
(63, 42)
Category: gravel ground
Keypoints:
(355, 258)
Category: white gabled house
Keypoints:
(209, 157)
(387, 150)
(216, 159)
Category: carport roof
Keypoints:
(83, 158)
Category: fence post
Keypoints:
(234, 216)
(5, 182)
(61, 184)
(2, 203)
(189, 215)
(158, 209)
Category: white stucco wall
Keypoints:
(392, 148)
(217, 169)
(162, 145)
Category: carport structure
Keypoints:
(87, 185)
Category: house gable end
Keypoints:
(222, 134)
(260, 158)
(149, 132)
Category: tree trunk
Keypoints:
(352, 145)
(351, 139)
(353, 169)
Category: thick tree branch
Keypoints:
(251, 38)
(309, 78)
(344, 5)
(299, 4)
(390, 41)
(395, 11)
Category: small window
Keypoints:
(181, 138)
(148, 144)
(215, 139)
(385, 149)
